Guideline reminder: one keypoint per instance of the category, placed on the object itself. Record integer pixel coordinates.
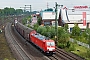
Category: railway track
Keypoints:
(67, 56)
(15, 46)
(62, 55)
(54, 57)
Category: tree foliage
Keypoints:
(36, 26)
(41, 30)
(19, 11)
(62, 35)
(47, 31)
(82, 36)
(66, 27)
(88, 35)
(10, 11)
(63, 38)
(39, 20)
(50, 31)
(76, 31)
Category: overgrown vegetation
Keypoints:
(5, 53)
(26, 20)
(63, 37)
(48, 31)
(75, 31)
(39, 20)
(82, 51)
(83, 36)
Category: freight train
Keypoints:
(45, 44)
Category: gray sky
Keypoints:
(41, 4)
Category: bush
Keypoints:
(29, 26)
(68, 44)
(24, 21)
(60, 45)
(51, 32)
(72, 48)
(63, 36)
(35, 26)
(41, 30)
(88, 53)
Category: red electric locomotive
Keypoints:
(45, 44)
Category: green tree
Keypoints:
(11, 11)
(47, 31)
(76, 31)
(2, 12)
(36, 26)
(19, 11)
(24, 21)
(39, 20)
(88, 35)
(41, 30)
(66, 27)
(6, 11)
(63, 37)
(52, 31)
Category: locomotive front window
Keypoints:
(50, 44)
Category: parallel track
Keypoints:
(62, 55)
(15, 46)
(67, 56)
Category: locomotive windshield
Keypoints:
(50, 44)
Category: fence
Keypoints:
(80, 43)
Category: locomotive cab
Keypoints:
(50, 46)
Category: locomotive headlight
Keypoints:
(51, 49)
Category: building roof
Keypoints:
(76, 16)
(67, 15)
(49, 14)
(78, 11)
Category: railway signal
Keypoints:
(56, 21)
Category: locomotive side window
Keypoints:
(50, 44)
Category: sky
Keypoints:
(41, 4)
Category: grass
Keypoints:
(5, 52)
(81, 51)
